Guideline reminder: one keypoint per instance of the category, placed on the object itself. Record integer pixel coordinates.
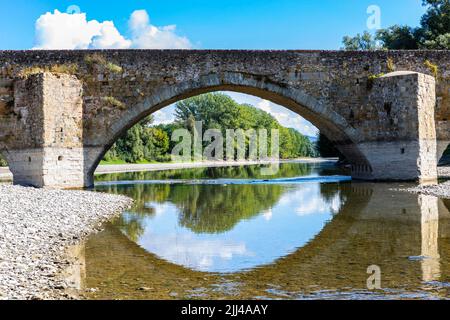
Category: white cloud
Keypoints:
(307, 200)
(164, 116)
(73, 31)
(148, 36)
(109, 38)
(191, 251)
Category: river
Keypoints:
(231, 233)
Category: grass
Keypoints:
(432, 67)
(371, 79)
(390, 65)
(113, 102)
(99, 60)
(56, 68)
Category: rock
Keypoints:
(145, 289)
(36, 228)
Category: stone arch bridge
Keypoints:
(388, 112)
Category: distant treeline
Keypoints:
(148, 143)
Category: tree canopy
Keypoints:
(145, 142)
(433, 32)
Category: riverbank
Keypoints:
(441, 190)
(37, 226)
(5, 174)
(122, 168)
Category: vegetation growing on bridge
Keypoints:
(145, 142)
(97, 60)
(69, 68)
(113, 102)
(3, 162)
(434, 69)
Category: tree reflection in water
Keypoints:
(405, 234)
(208, 208)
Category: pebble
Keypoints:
(441, 190)
(37, 226)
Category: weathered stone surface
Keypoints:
(109, 91)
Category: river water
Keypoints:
(232, 233)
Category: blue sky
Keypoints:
(199, 24)
(240, 24)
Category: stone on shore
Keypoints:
(36, 228)
(441, 190)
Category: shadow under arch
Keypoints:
(331, 124)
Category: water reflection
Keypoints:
(430, 230)
(227, 228)
(277, 241)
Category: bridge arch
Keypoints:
(320, 114)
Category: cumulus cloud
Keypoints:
(148, 36)
(59, 30)
(164, 116)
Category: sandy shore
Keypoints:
(37, 226)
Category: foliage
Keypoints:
(203, 209)
(398, 37)
(69, 68)
(113, 102)
(433, 33)
(390, 65)
(360, 42)
(219, 111)
(3, 162)
(433, 68)
(100, 61)
(140, 143)
(216, 111)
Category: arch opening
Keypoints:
(329, 123)
(162, 120)
(445, 157)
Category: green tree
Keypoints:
(398, 37)
(216, 111)
(433, 33)
(141, 143)
(219, 111)
(363, 41)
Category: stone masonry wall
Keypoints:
(403, 102)
(335, 90)
(50, 150)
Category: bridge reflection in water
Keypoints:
(405, 235)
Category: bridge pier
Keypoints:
(403, 143)
(50, 151)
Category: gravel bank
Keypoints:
(441, 190)
(36, 228)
